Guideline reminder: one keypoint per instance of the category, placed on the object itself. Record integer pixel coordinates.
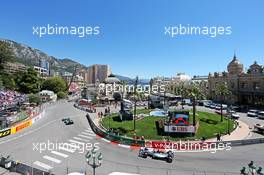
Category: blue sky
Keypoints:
(132, 39)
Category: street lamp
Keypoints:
(229, 116)
(94, 159)
(252, 170)
(135, 103)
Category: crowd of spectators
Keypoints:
(10, 99)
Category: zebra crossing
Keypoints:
(63, 152)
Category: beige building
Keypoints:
(42, 72)
(247, 88)
(11, 68)
(95, 72)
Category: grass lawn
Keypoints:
(209, 125)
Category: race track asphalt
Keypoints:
(115, 159)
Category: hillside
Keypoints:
(31, 57)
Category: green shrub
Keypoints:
(61, 95)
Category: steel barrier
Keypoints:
(112, 137)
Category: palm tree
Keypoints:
(222, 90)
(183, 91)
(194, 93)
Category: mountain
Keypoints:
(31, 57)
(131, 80)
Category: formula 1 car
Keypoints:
(67, 121)
(150, 152)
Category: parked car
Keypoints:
(218, 107)
(261, 114)
(207, 104)
(212, 106)
(234, 115)
(259, 128)
(252, 113)
(150, 152)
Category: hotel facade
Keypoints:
(246, 87)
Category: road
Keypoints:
(51, 129)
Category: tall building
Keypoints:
(44, 64)
(95, 72)
(179, 78)
(246, 87)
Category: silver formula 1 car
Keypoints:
(156, 154)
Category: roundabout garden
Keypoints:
(209, 125)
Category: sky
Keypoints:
(132, 37)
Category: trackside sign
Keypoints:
(5, 132)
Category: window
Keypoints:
(232, 85)
(255, 85)
(243, 85)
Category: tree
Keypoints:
(8, 82)
(1, 83)
(33, 98)
(117, 96)
(222, 90)
(183, 91)
(55, 84)
(6, 54)
(194, 93)
(28, 82)
(61, 95)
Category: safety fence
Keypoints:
(29, 119)
(112, 137)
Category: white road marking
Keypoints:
(124, 146)
(89, 134)
(52, 159)
(43, 165)
(74, 141)
(105, 140)
(59, 154)
(78, 138)
(66, 148)
(34, 130)
(85, 136)
(89, 131)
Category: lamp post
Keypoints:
(135, 102)
(94, 159)
(251, 170)
(229, 115)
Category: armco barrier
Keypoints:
(247, 141)
(20, 126)
(114, 138)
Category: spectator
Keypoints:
(108, 109)
(218, 137)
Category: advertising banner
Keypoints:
(179, 129)
(5, 132)
(23, 125)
